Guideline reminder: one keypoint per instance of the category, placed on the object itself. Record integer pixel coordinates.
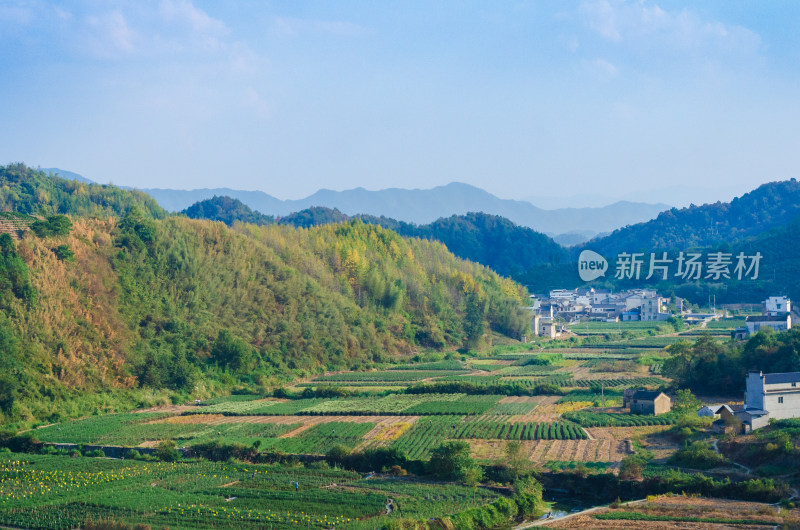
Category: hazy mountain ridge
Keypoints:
(425, 206)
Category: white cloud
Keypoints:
(641, 22)
(109, 34)
(185, 13)
(601, 17)
(602, 67)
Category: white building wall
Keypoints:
(777, 304)
(782, 401)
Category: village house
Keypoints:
(776, 316)
(777, 394)
(646, 402)
(782, 322)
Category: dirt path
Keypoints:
(716, 450)
(543, 522)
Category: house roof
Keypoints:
(646, 395)
(753, 412)
(768, 318)
(785, 377)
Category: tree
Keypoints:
(472, 477)
(451, 461)
(167, 451)
(685, 402)
(54, 225)
(516, 459)
(631, 467)
(136, 232)
(474, 311)
(64, 253)
(231, 351)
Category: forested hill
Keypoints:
(227, 210)
(490, 240)
(30, 191)
(125, 309)
(770, 205)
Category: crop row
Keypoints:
(605, 419)
(512, 409)
(321, 438)
(430, 432)
(390, 405)
(616, 382)
(530, 369)
(389, 376)
(498, 430)
(438, 365)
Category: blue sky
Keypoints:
(598, 99)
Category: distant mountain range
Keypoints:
(64, 174)
(569, 225)
(425, 206)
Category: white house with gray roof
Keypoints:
(770, 396)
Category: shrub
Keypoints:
(64, 253)
(167, 451)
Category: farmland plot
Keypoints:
(42, 491)
(386, 377)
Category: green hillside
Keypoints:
(30, 191)
(228, 210)
(490, 240)
(770, 205)
(137, 307)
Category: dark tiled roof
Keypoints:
(647, 395)
(754, 412)
(768, 318)
(786, 377)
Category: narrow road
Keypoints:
(716, 450)
(542, 522)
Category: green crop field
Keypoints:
(511, 409)
(726, 323)
(51, 492)
(320, 438)
(530, 369)
(388, 376)
(603, 419)
(129, 430)
(438, 365)
(646, 342)
(616, 327)
(620, 381)
(428, 433)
